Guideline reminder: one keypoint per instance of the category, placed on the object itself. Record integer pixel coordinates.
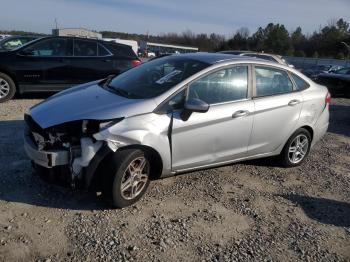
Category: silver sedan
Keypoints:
(172, 115)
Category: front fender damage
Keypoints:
(146, 130)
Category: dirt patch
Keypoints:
(250, 211)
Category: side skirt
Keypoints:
(180, 171)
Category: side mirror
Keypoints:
(196, 105)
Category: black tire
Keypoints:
(285, 154)
(116, 169)
(11, 85)
(347, 91)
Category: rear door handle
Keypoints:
(240, 113)
(293, 102)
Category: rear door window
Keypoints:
(271, 81)
(85, 48)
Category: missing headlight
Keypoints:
(94, 126)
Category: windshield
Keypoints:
(13, 43)
(155, 77)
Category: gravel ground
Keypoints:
(251, 211)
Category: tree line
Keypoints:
(273, 38)
(327, 42)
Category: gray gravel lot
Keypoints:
(251, 211)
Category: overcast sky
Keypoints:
(161, 16)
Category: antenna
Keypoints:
(56, 23)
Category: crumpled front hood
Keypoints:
(87, 101)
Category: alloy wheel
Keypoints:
(4, 88)
(135, 178)
(298, 148)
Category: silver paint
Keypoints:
(222, 135)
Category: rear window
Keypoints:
(102, 51)
(300, 83)
(121, 50)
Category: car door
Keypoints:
(277, 109)
(222, 133)
(44, 65)
(91, 61)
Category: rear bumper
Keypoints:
(46, 159)
(321, 126)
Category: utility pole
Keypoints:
(56, 23)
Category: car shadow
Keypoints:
(339, 120)
(19, 183)
(272, 161)
(325, 211)
(42, 95)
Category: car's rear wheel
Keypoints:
(128, 177)
(7, 88)
(296, 149)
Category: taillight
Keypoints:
(135, 62)
(328, 98)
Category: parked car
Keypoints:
(173, 115)
(151, 54)
(235, 52)
(56, 63)
(271, 57)
(313, 72)
(13, 42)
(338, 82)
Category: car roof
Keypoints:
(84, 38)
(213, 58)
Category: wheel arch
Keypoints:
(95, 172)
(310, 130)
(12, 76)
(155, 158)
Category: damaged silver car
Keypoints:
(173, 115)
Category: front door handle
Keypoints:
(240, 113)
(293, 102)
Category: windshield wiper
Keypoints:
(120, 91)
(108, 80)
(106, 84)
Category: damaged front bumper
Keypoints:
(46, 159)
(72, 166)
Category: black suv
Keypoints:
(56, 63)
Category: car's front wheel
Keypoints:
(128, 177)
(7, 88)
(296, 149)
